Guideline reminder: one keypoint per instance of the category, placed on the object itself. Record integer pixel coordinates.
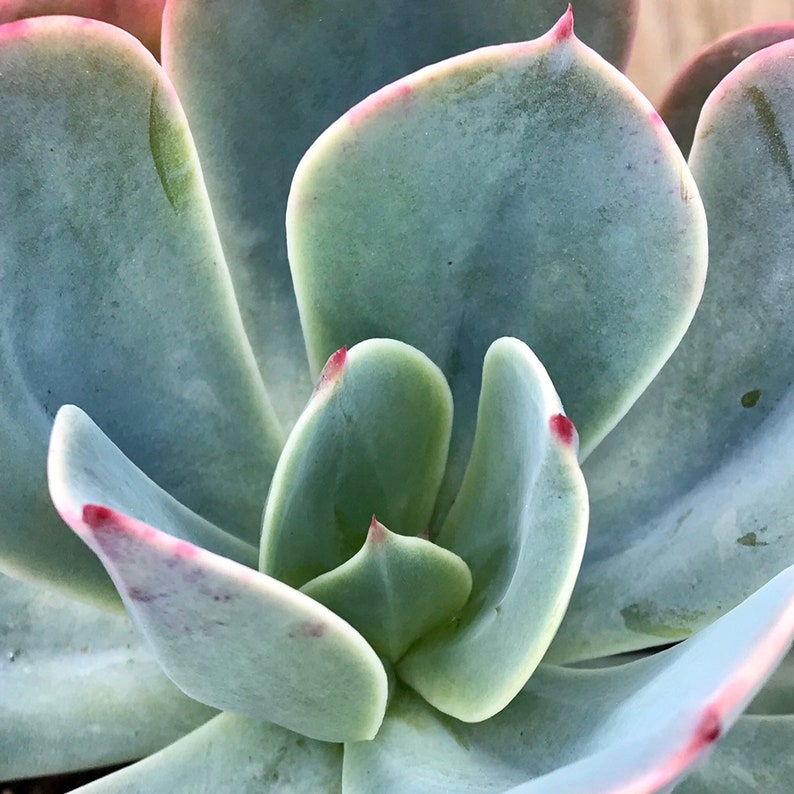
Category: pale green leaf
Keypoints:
(372, 440)
(525, 190)
(395, 589)
(520, 523)
(78, 689)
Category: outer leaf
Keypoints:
(373, 439)
(755, 756)
(691, 495)
(255, 108)
(70, 674)
(231, 753)
(234, 638)
(520, 523)
(525, 190)
(395, 589)
(141, 18)
(84, 466)
(681, 105)
(635, 728)
(115, 294)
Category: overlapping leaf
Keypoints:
(115, 294)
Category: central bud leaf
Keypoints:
(395, 589)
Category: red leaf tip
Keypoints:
(377, 532)
(332, 370)
(564, 28)
(562, 429)
(97, 515)
(709, 729)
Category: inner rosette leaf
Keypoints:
(372, 440)
(395, 589)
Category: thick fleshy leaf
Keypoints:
(141, 18)
(526, 190)
(520, 523)
(115, 293)
(255, 108)
(235, 639)
(754, 757)
(395, 589)
(77, 688)
(692, 495)
(85, 467)
(373, 440)
(637, 727)
(681, 105)
(232, 754)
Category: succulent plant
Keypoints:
(577, 583)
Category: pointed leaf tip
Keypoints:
(377, 532)
(562, 428)
(96, 516)
(563, 29)
(332, 370)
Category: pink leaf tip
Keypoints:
(562, 428)
(564, 28)
(332, 370)
(97, 515)
(377, 532)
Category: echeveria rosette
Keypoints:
(264, 648)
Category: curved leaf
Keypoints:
(525, 190)
(71, 673)
(373, 440)
(232, 753)
(684, 98)
(85, 467)
(637, 727)
(234, 638)
(520, 523)
(691, 494)
(115, 294)
(395, 589)
(255, 108)
(755, 756)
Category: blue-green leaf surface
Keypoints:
(233, 638)
(372, 440)
(78, 689)
(638, 727)
(520, 523)
(526, 190)
(116, 297)
(83, 465)
(232, 754)
(395, 589)
(692, 495)
(261, 80)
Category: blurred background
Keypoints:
(671, 31)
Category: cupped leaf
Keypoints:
(395, 589)
(372, 440)
(637, 727)
(232, 753)
(235, 639)
(520, 523)
(115, 293)
(691, 494)
(141, 18)
(255, 108)
(526, 190)
(70, 674)
(683, 101)
(85, 467)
